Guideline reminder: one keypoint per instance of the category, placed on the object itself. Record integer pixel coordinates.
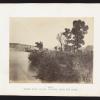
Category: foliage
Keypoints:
(55, 48)
(79, 30)
(57, 66)
(62, 66)
(39, 45)
(67, 35)
(47, 66)
(74, 38)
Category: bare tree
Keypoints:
(59, 38)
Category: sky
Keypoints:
(28, 30)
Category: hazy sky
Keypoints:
(30, 30)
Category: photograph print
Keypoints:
(51, 50)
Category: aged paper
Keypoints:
(49, 49)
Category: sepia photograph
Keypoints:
(51, 50)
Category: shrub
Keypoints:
(47, 66)
(53, 66)
(83, 64)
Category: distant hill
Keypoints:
(21, 47)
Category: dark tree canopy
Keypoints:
(39, 45)
(74, 36)
(67, 35)
(79, 30)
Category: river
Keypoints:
(19, 67)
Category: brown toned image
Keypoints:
(51, 50)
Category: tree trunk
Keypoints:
(61, 47)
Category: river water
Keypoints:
(19, 67)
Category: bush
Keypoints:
(83, 64)
(53, 66)
(47, 66)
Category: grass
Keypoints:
(56, 66)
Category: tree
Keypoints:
(73, 38)
(79, 30)
(59, 38)
(67, 35)
(39, 45)
(68, 39)
(55, 48)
